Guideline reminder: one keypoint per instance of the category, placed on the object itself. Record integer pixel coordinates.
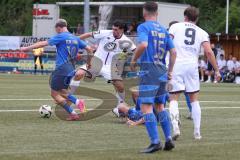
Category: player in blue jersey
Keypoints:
(67, 49)
(153, 44)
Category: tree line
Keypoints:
(16, 15)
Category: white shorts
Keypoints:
(185, 78)
(109, 72)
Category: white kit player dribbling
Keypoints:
(188, 40)
(110, 57)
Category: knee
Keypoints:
(146, 108)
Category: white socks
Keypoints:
(74, 85)
(120, 96)
(196, 115)
(174, 114)
(209, 78)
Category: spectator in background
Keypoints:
(220, 51)
(229, 62)
(80, 29)
(233, 66)
(232, 70)
(222, 65)
(202, 66)
(38, 59)
(131, 30)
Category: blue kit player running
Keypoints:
(154, 42)
(67, 49)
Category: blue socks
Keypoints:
(188, 102)
(68, 108)
(164, 120)
(152, 127)
(72, 98)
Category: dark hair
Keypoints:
(61, 23)
(119, 24)
(151, 7)
(192, 13)
(172, 22)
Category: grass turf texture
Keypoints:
(25, 136)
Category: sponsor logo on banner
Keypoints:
(41, 13)
(27, 41)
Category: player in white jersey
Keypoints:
(188, 39)
(110, 56)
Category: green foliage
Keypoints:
(16, 15)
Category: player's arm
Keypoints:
(211, 58)
(96, 34)
(132, 123)
(86, 35)
(34, 46)
(172, 59)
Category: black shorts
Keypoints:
(209, 67)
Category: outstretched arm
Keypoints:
(85, 35)
(34, 46)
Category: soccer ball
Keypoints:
(45, 111)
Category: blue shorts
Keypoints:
(152, 85)
(162, 99)
(61, 77)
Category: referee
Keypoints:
(38, 59)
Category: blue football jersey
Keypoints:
(67, 47)
(159, 42)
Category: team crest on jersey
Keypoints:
(110, 46)
(125, 45)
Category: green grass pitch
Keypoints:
(26, 136)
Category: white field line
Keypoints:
(95, 99)
(90, 109)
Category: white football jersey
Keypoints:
(188, 38)
(109, 46)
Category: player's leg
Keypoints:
(187, 98)
(178, 86)
(119, 87)
(63, 102)
(41, 64)
(75, 81)
(174, 114)
(73, 99)
(35, 65)
(147, 95)
(192, 88)
(120, 94)
(151, 127)
(165, 122)
(196, 114)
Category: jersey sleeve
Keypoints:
(169, 41)
(81, 44)
(142, 33)
(133, 46)
(204, 37)
(100, 34)
(55, 40)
